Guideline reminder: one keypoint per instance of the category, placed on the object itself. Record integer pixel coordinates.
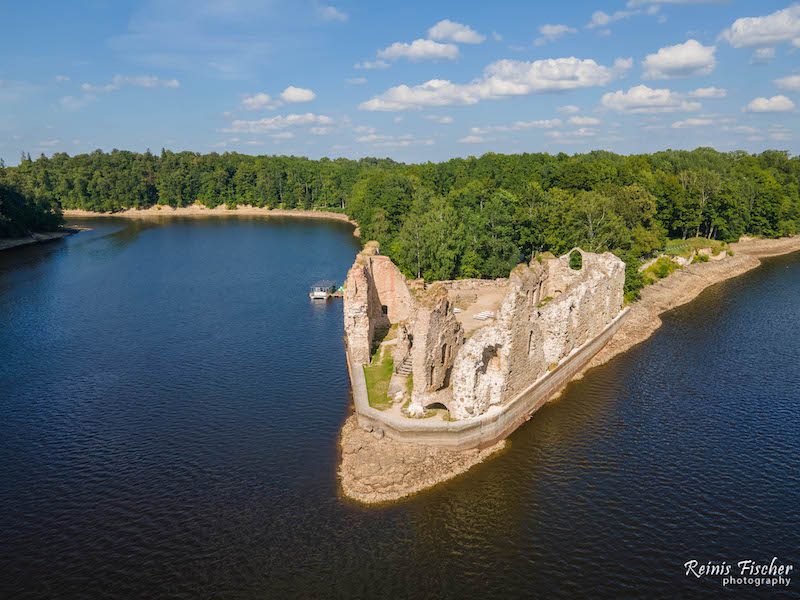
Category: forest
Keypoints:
(473, 217)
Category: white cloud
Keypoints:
(497, 37)
(320, 130)
(61, 78)
(331, 13)
(790, 82)
(500, 79)
(371, 65)
(569, 109)
(147, 81)
(283, 135)
(448, 31)
(442, 119)
(709, 92)
(420, 50)
(780, 26)
(296, 94)
(364, 129)
(390, 141)
(76, 103)
(774, 104)
(575, 135)
(741, 129)
(49, 143)
(691, 123)
(518, 126)
(762, 56)
(260, 101)
(356, 80)
(682, 60)
(277, 122)
(601, 19)
(584, 121)
(550, 33)
(471, 139)
(643, 100)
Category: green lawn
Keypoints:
(684, 248)
(378, 373)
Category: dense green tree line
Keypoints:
(474, 217)
(21, 213)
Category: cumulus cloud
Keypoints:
(550, 33)
(770, 105)
(49, 143)
(471, 139)
(364, 129)
(331, 13)
(682, 60)
(320, 130)
(584, 121)
(259, 101)
(518, 126)
(709, 92)
(790, 83)
(501, 79)
(780, 26)
(762, 56)
(295, 94)
(691, 123)
(277, 122)
(643, 100)
(601, 19)
(574, 136)
(371, 64)
(449, 31)
(147, 81)
(635, 3)
(420, 50)
(61, 78)
(569, 109)
(356, 80)
(442, 119)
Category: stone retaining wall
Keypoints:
(488, 428)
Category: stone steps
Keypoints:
(404, 368)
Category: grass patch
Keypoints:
(378, 374)
(684, 248)
(700, 258)
(663, 267)
(545, 301)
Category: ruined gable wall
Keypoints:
(362, 310)
(502, 359)
(392, 289)
(437, 339)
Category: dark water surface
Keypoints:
(170, 403)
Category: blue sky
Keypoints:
(417, 81)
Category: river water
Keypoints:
(170, 402)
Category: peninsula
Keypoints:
(437, 391)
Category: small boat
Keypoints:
(322, 290)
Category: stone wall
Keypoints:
(549, 310)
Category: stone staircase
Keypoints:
(404, 368)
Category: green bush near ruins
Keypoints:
(663, 267)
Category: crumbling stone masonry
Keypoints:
(545, 311)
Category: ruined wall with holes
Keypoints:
(548, 311)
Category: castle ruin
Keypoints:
(471, 347)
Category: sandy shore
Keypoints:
(35, 238)
(198, 210)
(379, 469)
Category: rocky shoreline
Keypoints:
(198, 210)
(375, 469)
(36, 238)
